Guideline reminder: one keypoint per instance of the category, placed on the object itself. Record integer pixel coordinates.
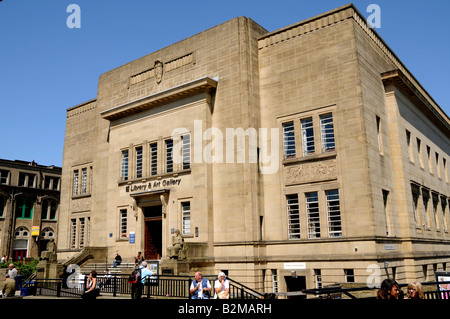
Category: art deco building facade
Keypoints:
(29, 207)
(303, 157)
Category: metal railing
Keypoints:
(431, 291)
(117, 285)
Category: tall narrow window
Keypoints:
(91, 179)
(379, 135)
(73, 233)
(308, 136)
(415, 201)
(312, 212)
(153, 158)
(186, 151)
(409, 145)
(274, 280)
(438, 167)
(124, 165)
(288, 140)
(169, 156)
(139, 162)
(293, 216)
(444, 165)
(123, 223)
(186, 217)
(435, 198)
(386, 212)
(327, 132)
(84, 181)
(75, 182)
(82, 233)
(444, 212)
(334, 213)
(318, 278)
(430, 162)
(425, 199)
(419, 151)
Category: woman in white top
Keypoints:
(222, 287)
(92, 290)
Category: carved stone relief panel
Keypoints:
(310, 172)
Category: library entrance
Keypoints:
(153, 232)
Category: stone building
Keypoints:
(29, 207)
(289, 159)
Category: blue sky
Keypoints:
(46, 67)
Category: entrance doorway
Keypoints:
(153, 232)
(295, 284)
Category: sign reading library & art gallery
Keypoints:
(153, 185)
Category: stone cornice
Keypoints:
(398, 79)
(182, 91)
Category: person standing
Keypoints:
(12, 272)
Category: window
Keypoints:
(82, 233)
(438, 167)
(408, 143)
(444, 163)
(435, 198)
(186, 217)
(73, 233)
(84, 181)
(4, 176)
(308, 136)
(444, 212)
(139, 162)
(379, 135)
(49, 208)
(415, 198)
(186, 151)
(419, 151)
(47, 233)
(169, 156)
(327, 132)
(153, 158)
(425, 198)
(318, 278)
(349, 275)
(2, 206)
(27, 180)
(293, 216)
(430, 163)
(274, 280)
(124, 165)
(51, 182)
(288, 140)
(386, 212)
(123, 223)
(334, 213)
(312, 211)
(75, 182)
(24, 208)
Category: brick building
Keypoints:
(29, 206)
